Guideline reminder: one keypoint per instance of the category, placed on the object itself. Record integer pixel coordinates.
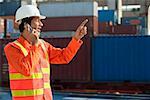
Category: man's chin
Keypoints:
(39, 33)
(35, 42)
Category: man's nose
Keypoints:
(41, 24)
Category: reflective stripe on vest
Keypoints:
(46, 85)
(22, 48)
(16, 76)
(46, 70)
(33, 92)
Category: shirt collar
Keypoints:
(24, 42)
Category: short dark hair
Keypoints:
(23, 21)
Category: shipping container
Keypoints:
(12, 17)
(134, 21)
(106, 16)
(79, 69)
(57, 34)
(11, 0)
(104, 27)
(140, 22)
(121, 59)
(123, 29)
(70, 24)
(4, 74)
(6, 10)
(69, 9)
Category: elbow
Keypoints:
(67, 61)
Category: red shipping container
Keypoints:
(3, 64)
(123, 29)
(104, 27)
(70, 23)
(79, 69)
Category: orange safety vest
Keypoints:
(34, 87)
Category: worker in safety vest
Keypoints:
(29, 57)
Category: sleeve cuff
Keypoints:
(80, 42)
(75, 43)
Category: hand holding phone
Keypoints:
(32, 35)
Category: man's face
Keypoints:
(36, 24)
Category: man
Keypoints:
(29, 57)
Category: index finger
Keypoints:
(83, 23)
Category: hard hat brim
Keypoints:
(42, 17)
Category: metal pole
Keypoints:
(5, 28)
(119, 10)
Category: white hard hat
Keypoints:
(27, 11)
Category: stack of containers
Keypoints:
(107, 24)
(140, 22)
(63, 19)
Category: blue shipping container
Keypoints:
(121, 58)
(9, 8)
(106, 16)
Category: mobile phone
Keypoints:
(30, 29)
